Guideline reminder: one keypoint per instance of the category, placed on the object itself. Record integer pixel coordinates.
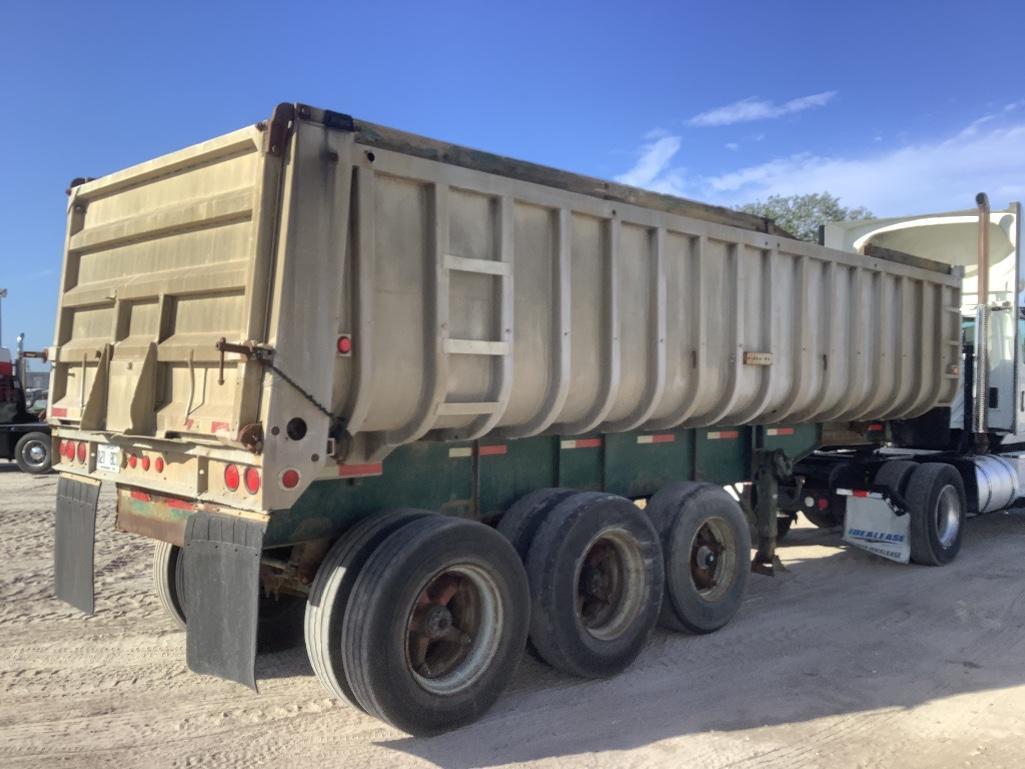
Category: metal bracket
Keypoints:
(249, 350)
(770, 468)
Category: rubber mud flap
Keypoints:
(222, 591)
(74, 538)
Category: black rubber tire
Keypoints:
(923, 495)
(330, 591)
(167, 581)
(279, 618)
(554, 568)
(520, 522)
(375, 625)
(680, 510)
(895, 475)
(22, 455)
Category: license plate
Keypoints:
(108, 458)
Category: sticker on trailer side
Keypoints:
(872, 524)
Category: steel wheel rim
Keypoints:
(713, 559)
(610, 580)
(948, 516)
(453, 630)
(34, 453)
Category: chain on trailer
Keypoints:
(264, 355)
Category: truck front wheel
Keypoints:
(435, 625)
(32, 453)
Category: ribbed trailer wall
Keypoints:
(492, 304)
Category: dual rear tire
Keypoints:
(418, 619)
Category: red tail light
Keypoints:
(132, 461)
(159, 464)
(290, 479)
(145, 463)
(252, 478)
(82, 449)
(231, 477)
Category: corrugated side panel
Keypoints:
(161, 261)
(489, 304)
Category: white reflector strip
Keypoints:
(780, 431)
(859, 493)
(460, 453)
(723, 435)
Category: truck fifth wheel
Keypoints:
(414, 390)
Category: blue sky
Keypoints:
(900, 107)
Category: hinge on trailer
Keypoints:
(277, 128)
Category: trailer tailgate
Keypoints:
(161, 261)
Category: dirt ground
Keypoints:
(843, 661)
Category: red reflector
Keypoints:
(290, 479)
(231, 477)
(159, 464)
(132, 461)
(875, 427)
(344, 345)
(252, 480)
(145, 463)
(823, 503)
(859, 493)
(82, 449)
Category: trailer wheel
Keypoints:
(330, 591)
(707, 546)
(436, 624)
(32, 453)
(595, 571)
(896, 474)
(937, 506)
(520, 522)
(279, 616)
(168, 580)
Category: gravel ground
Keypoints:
(842, 661)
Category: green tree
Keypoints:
(801, 215)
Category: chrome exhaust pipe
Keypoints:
(980, 395)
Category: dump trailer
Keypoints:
(410, 394)
(902, 487)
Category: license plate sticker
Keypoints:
(108, 458)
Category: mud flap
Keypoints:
(872, 523)
(74, 540)
(222, 578)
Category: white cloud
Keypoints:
(932, 175)
(747, 110)
(732, 146)
(655, 156)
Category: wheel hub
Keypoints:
(436, 622)
(36, 452)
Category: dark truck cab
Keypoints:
(23, 438)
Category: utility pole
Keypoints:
(3, 295)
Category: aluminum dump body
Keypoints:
(411, 289)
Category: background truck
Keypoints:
(903, 487)
(23, 437)
(410, 392)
